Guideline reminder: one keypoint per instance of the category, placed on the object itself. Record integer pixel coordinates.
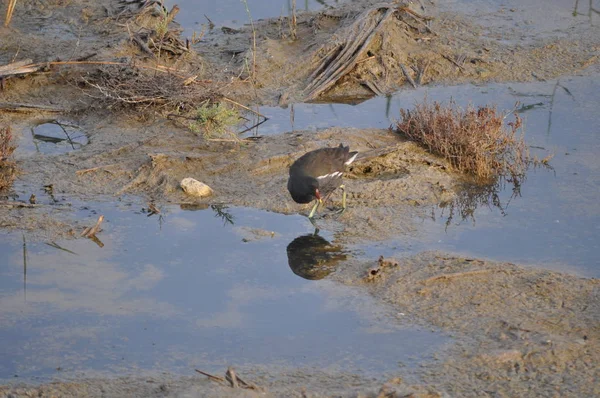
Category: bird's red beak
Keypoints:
(318, 194)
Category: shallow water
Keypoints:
(233, 13)
(554, 223)
(190, 289)
(51, 137)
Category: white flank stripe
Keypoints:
(334, 174)
(351, 159)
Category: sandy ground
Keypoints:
(519, 331)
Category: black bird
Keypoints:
(316, 174)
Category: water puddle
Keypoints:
(553, 222)
(52, 138)
(233, 13)
(527, 17)
(190, 289)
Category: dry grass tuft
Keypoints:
(475, 140)
(142, 89)
(8, 167)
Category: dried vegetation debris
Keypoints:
(379, 39)
(8, 167)
(142, 87)
(153, 29)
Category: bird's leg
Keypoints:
(343, 209)
(314, 209)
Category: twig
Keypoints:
(9, 12)
(422, 72)
(85, 171)
(419, 18)
(407, 75)
(245, 107)
(152, 209)
(211, 25)
(236, 381)
(56, 246)
(252, 127)
(453, 61)
(19, 68)
(371, 85)
(143, 46)
(365, 60)
(86, 57)
(91, 231)
(211, 377)
(97, 241)
(231, 377)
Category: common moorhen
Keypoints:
(316, 174)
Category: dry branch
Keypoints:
(90, 232)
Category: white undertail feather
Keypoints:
(347, 162)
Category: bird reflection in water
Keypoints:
(313, 257)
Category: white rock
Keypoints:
(195, 188)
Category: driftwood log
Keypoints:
(352, 44)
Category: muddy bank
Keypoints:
(294, 383)
(520, 331)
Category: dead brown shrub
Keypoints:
(475, 140)
(141, 89)
(7, 165)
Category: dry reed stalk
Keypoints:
(253, 74)
(293, 22)
(9, 12)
